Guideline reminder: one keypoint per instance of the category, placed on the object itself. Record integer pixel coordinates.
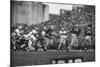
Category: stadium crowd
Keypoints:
(74, 30)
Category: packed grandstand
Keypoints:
(72, 30)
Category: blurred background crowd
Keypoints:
(71, 30)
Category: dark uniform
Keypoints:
(74, 37)
(88, 34)
(76, 31)
(49, 33)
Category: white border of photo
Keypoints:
(5, 33)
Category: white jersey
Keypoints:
(33, 37)
(31, 33)
(34, 31)
(62, 33)
(43, 33)
(13, 34)
(17, 31)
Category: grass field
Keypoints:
(41, 58)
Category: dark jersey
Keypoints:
(39, 33)
(49, 31)
(88, 33)
(76, 31)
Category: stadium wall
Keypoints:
(28, 12)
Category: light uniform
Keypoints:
(31, 38)
(32, 32)
(63, 37)
(74, 41)
(17, 32)
(43, 33)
